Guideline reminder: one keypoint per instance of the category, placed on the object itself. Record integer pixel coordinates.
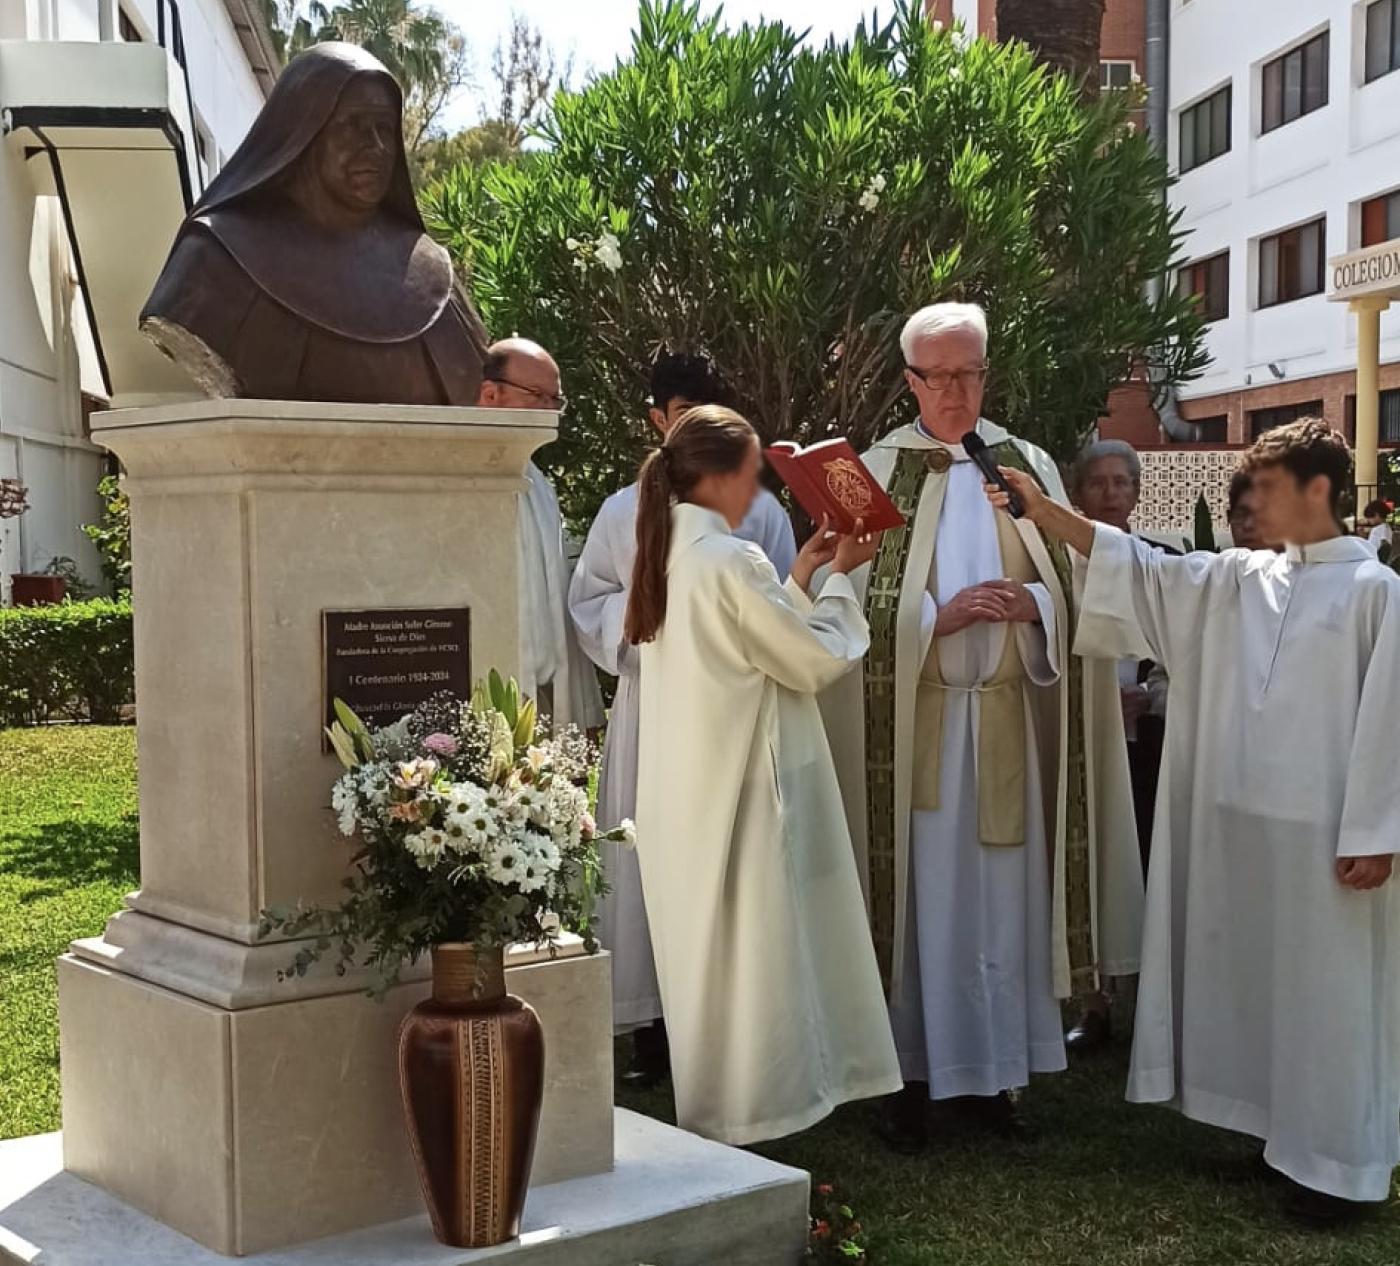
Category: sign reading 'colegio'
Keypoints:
(385, 663)
(1372, 270)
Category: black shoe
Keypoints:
(1319, 1210)
(651, 1057)
(994, 1114)
(903, 1124)
(1094, 1030)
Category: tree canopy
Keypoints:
(785, 207)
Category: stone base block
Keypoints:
(251, 1129)
(672, 1199)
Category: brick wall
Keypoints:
(939, 11)
(1331, 389)
(1123, 36)
(1131, 417)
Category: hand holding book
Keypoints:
(830, 481)
(843, 553)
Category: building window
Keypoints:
(1291, 264)
(1212, 430)
(1380, 219)
(1208, 282)
(1261, 420)
(1205, 130)
(1296, 83)
(1382, 38)
(1390, 416)
(126, 28)
(1114, 76)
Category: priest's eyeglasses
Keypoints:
(939, 380)
(551, 401)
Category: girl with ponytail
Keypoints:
(769, 984)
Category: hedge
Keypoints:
(72, 660)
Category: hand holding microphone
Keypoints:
(976, 448)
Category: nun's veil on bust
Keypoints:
(386, 284)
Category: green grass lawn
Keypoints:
(68, 853)
(1100, 1183)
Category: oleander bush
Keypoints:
(70, 661)
(785, 206)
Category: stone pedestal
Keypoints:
(249, 518)
(245, 1112)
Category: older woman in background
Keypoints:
(1105, 484)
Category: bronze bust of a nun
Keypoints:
(305, 271)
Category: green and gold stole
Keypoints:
(882, 614)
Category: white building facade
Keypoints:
(1285, 132)
(115, 114)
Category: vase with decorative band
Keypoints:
(471, 1068)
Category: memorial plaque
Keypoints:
(384, 663)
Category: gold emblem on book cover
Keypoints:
(848, 485)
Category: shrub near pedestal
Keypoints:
(70, 661)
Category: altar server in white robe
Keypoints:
(985, 775)
(598, 603)
(520, 374)
(1270, 990)
(768, 979)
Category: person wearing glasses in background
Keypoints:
(998, 881)
(520, 374)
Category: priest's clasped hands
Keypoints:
(844, 553)
(991, 602)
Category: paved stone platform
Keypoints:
(672, 1200)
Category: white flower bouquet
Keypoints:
(469, 829)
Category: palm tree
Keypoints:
(424, 52)
(294, 26)
(1064, 34)
(410, 41)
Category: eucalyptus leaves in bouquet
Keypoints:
(470, 828)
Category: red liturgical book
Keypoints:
(830, 479)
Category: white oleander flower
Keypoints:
(877, 183)
(608, 252)
(869, 201)
(572, 243)
(580, 263)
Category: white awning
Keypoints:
(106, 127)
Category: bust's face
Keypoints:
(353, 156)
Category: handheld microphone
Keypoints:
(976, 448)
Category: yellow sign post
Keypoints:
(1367, 281)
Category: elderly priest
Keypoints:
(984, 771)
